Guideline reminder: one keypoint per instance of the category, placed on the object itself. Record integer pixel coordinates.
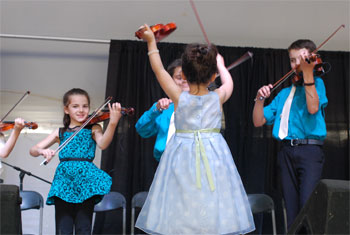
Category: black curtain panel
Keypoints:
(129, 158)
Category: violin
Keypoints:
(105, 115)
(160, 31)
(318, 69)
(5, 126)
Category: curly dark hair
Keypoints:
(66, 100)
(303, 43)
(199, 62)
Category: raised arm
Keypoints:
(165, 80)
(312, 100)
(226, 89)
(147, 126)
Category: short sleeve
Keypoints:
(270, 111)
(321, 91)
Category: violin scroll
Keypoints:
(128, 111)
(319, 70)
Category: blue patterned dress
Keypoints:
(76, 181)
(197, 188)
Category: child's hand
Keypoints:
(163, 104)
(47, 153)
(147, 34)
(305, 66)
(19, 124)
(264, 92)
(114, 113)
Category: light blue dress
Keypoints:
(197, 188)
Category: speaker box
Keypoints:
(326, 211)
(10, 210)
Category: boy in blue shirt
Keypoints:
(297, 113)
(158, 120)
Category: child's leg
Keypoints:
(289, 180)
(64, 213)
(83, 219)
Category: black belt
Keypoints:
(296, 142)
(76, 159)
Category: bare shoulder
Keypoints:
(55, 134)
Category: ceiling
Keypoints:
(49, 68)
(252, 23)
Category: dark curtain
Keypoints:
(129, 159)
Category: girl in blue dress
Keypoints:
(78, 184)
(196, 188)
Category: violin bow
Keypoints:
(199, 22)
(293, 71)
(325, 41)
(248, 55)
(18, 102)
(239, 61)
(108, 100)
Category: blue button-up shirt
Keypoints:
(301, 124)
(152, 123)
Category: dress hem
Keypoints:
(52, 199)
(244, 231)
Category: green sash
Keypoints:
(200, 151)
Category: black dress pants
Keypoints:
(300, 170)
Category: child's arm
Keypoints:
(225, 90)
(10, 143)
(165, 80)
(42, 148)
(258, 111)
(104, 139)
(147, 126)
(312, 99)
